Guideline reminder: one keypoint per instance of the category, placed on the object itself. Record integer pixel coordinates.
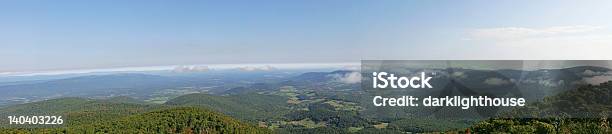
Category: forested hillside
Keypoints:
(243, 106)
(582, 110)
(101, 116)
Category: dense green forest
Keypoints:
(175, 120)
(582, 110)
(100, 116)
(249, 107)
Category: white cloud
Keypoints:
(496, 81)
(459, 75)
(349, 78)
(257, 68)
(514, 33)
(550, 43)
(596, 80)
(245, 67)
(597, 77)
(181, 69)
(544, 82)
(594, 73)
(550, 83)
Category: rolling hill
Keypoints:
(175, 120)
(103, 116)
(243, 106)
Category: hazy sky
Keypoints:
(61, 34)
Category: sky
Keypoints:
(45, 35)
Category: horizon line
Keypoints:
(278, 66)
